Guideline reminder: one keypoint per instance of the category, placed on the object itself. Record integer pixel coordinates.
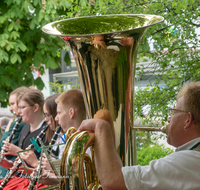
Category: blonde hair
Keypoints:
(191, 95)
(19, 90)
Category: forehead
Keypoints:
(60, 107)
(13, 98)
(45, 109)
(22, 103)
(180, 103)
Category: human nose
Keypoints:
(45, 118)
(56, 118)
(11, 108)
(19, 111)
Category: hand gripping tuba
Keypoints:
(77, 167)
(105, 51)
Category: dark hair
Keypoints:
(51, 106)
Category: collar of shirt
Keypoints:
(40, 125)
(188, 145)
(4, 126)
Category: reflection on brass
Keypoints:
(106, 71)
(159, 129)
(77, 165)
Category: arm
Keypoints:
(107, 160)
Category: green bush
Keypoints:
(146, 154)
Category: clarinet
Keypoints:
(19, 162)
(11, 137)
(38, 170)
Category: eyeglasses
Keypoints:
(22, 107)
(47, 116)
(173, 111)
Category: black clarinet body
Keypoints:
(19, 162)
(11, 137)
(53, 140)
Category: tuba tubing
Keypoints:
(163, 129)
(78, 143)
(105, 52)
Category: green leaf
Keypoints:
(49, 62)
(67, 59)
(4, 36)
(3, 43)
(2, 70)
(10, 45)
(32, 24)
(4, 104)
(133, 7)
(3, 56)
(37, 59)
(21, 45)
(3, 93)
(14, 35)
(10, 27)
(47, 18)
(35, 2)
(14, 58)
(39, 83)
(7, 81)
(41, 15)
(2, 19)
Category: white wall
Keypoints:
(45, 78)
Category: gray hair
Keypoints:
(4, 121)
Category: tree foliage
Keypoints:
(24, 47)
(23, 44)
(146, 154)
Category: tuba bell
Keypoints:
(105, 50)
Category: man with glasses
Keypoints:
(177, 171)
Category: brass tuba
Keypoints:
(105, 51)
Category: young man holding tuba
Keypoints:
(179, 170)
(70, 113)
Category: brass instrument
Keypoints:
(105, 51)
(11, 137)
(19, 162)
(31, 185)
(159, 129)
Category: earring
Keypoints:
(185, 128)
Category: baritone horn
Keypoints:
(105, 50)
(163, 129)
